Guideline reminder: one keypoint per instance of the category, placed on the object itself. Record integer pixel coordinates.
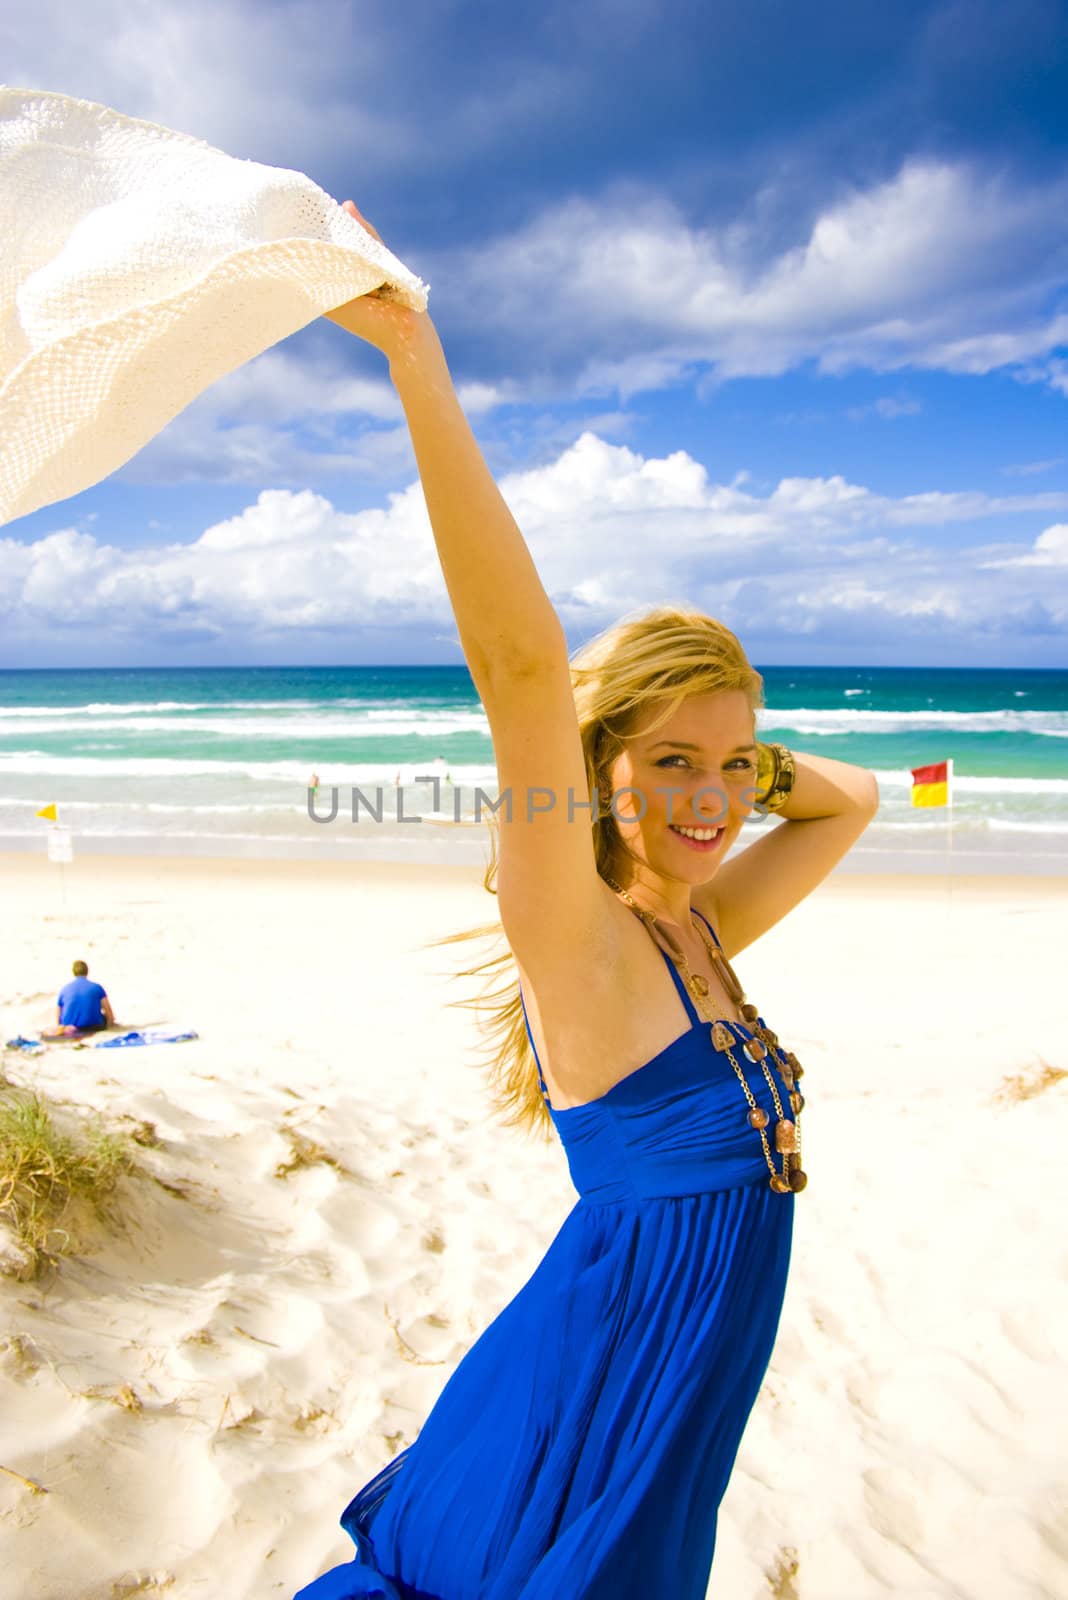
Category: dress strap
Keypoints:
(676, 977)
(534, 1049)
(684, 994)
(708, 925)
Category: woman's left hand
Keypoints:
(393, 328)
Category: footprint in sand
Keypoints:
(364, 1226)
(863, 1393)
(1029, 1337)
(425, 1340)
(891, 1498)
(827, 1321)
(1053, 1532)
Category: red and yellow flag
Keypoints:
(930, 785)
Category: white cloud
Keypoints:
(986, 352)
(1031, 469)
(944, 266)
(1050, 549)
(291, 416)
(1054, 373)
(478, 398)
(197, 448)
(1057, 376)
(189, 66)
(886, 407)
(610, 530)
(286, 417)
(281, 386)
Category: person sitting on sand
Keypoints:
(82, 1006)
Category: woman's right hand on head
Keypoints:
(393, 328)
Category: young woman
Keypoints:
(582, 1447)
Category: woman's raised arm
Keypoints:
(508, 628)
(553, 905)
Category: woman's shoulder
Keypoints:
(595, 1020)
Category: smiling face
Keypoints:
(694, 775)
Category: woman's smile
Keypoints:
(704, 840)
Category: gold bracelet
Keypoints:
(776, 763)
(767, 770)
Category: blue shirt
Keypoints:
(79, 1003)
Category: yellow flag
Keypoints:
(49, 813)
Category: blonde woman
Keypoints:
(582, 1447)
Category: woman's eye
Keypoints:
(665, 759)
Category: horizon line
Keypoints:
(461, 666)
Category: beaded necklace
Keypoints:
(787, 1130)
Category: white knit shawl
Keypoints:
(137, 266)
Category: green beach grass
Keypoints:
(53, 1179)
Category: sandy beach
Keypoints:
(328, 1216)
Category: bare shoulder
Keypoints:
(601, 1009)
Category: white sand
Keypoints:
(201, 1397)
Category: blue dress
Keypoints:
(581, 1448)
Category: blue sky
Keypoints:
(761, 306)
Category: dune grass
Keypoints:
(1033, 1081)
(49, 1176)
(782, 1579)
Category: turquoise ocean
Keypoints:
(217, 761)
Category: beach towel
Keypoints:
(163, 1034)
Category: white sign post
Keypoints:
(949, 826)
(61, 849)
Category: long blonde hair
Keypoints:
(660, 656)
